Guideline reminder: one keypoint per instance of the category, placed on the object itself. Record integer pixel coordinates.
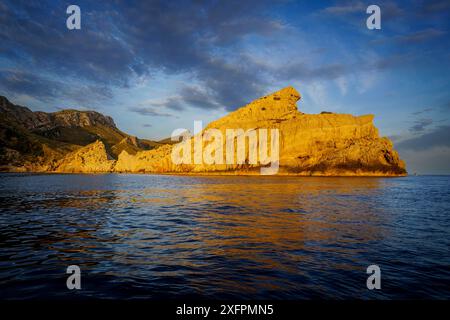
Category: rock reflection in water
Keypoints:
(143, 236)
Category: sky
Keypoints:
(156, 66)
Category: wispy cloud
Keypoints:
(346, 8)
(49, 89)
(421, 124)
(426, 110)
(436, 138)
(149, 111)
(419, 36)
(435, 6)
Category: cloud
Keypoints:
(173, 103)
(189, 96)
(302, 71)
(421, 124)
(433, 160)
(391, 10)
(432, 6)
(149, 111)
(412, 37)
(208, 43)
(436, 138)
(392, 61)
(16, 83)
(147, 125)
(345, 9)
(29, 84)
(445, 106)
(365, 66)
(190, 37)
(195, 97)
(426, 110)
(342, 84)
(419, 36)
(36, 34)
(233, 84)
(119, 42)
(394, 138)
(317, 92)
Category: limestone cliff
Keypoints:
(90, 159)
(310, 144)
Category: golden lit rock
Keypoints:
(310, 144)
(89, 159)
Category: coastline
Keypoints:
(227, 173)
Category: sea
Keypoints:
(223, 237)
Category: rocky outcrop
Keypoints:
(156, 160)
(90, 159)
(75, 118)
(310, 144)
(38, 120)
(33, 141)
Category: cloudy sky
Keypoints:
(155, 66)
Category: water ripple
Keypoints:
(150, 236)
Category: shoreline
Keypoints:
(230, 174)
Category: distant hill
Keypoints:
(34, 138)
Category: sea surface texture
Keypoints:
(156, 236)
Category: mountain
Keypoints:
(35, 141)
(309, 144)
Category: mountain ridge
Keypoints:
(34, 140)
(310, 144)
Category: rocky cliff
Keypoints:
(90, 159)
(309, 144)
(41, 121)
(36, 141)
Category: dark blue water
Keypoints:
(150, 236)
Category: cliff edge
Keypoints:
(310, 144)
(326, 144)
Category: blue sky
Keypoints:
(155, 66)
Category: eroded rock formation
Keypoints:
(309, 144)
(37, 141)
(89, 159)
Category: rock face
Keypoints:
(309, 144)
(90, 159)
(35, 141)
(156, 160)
(47, 121)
